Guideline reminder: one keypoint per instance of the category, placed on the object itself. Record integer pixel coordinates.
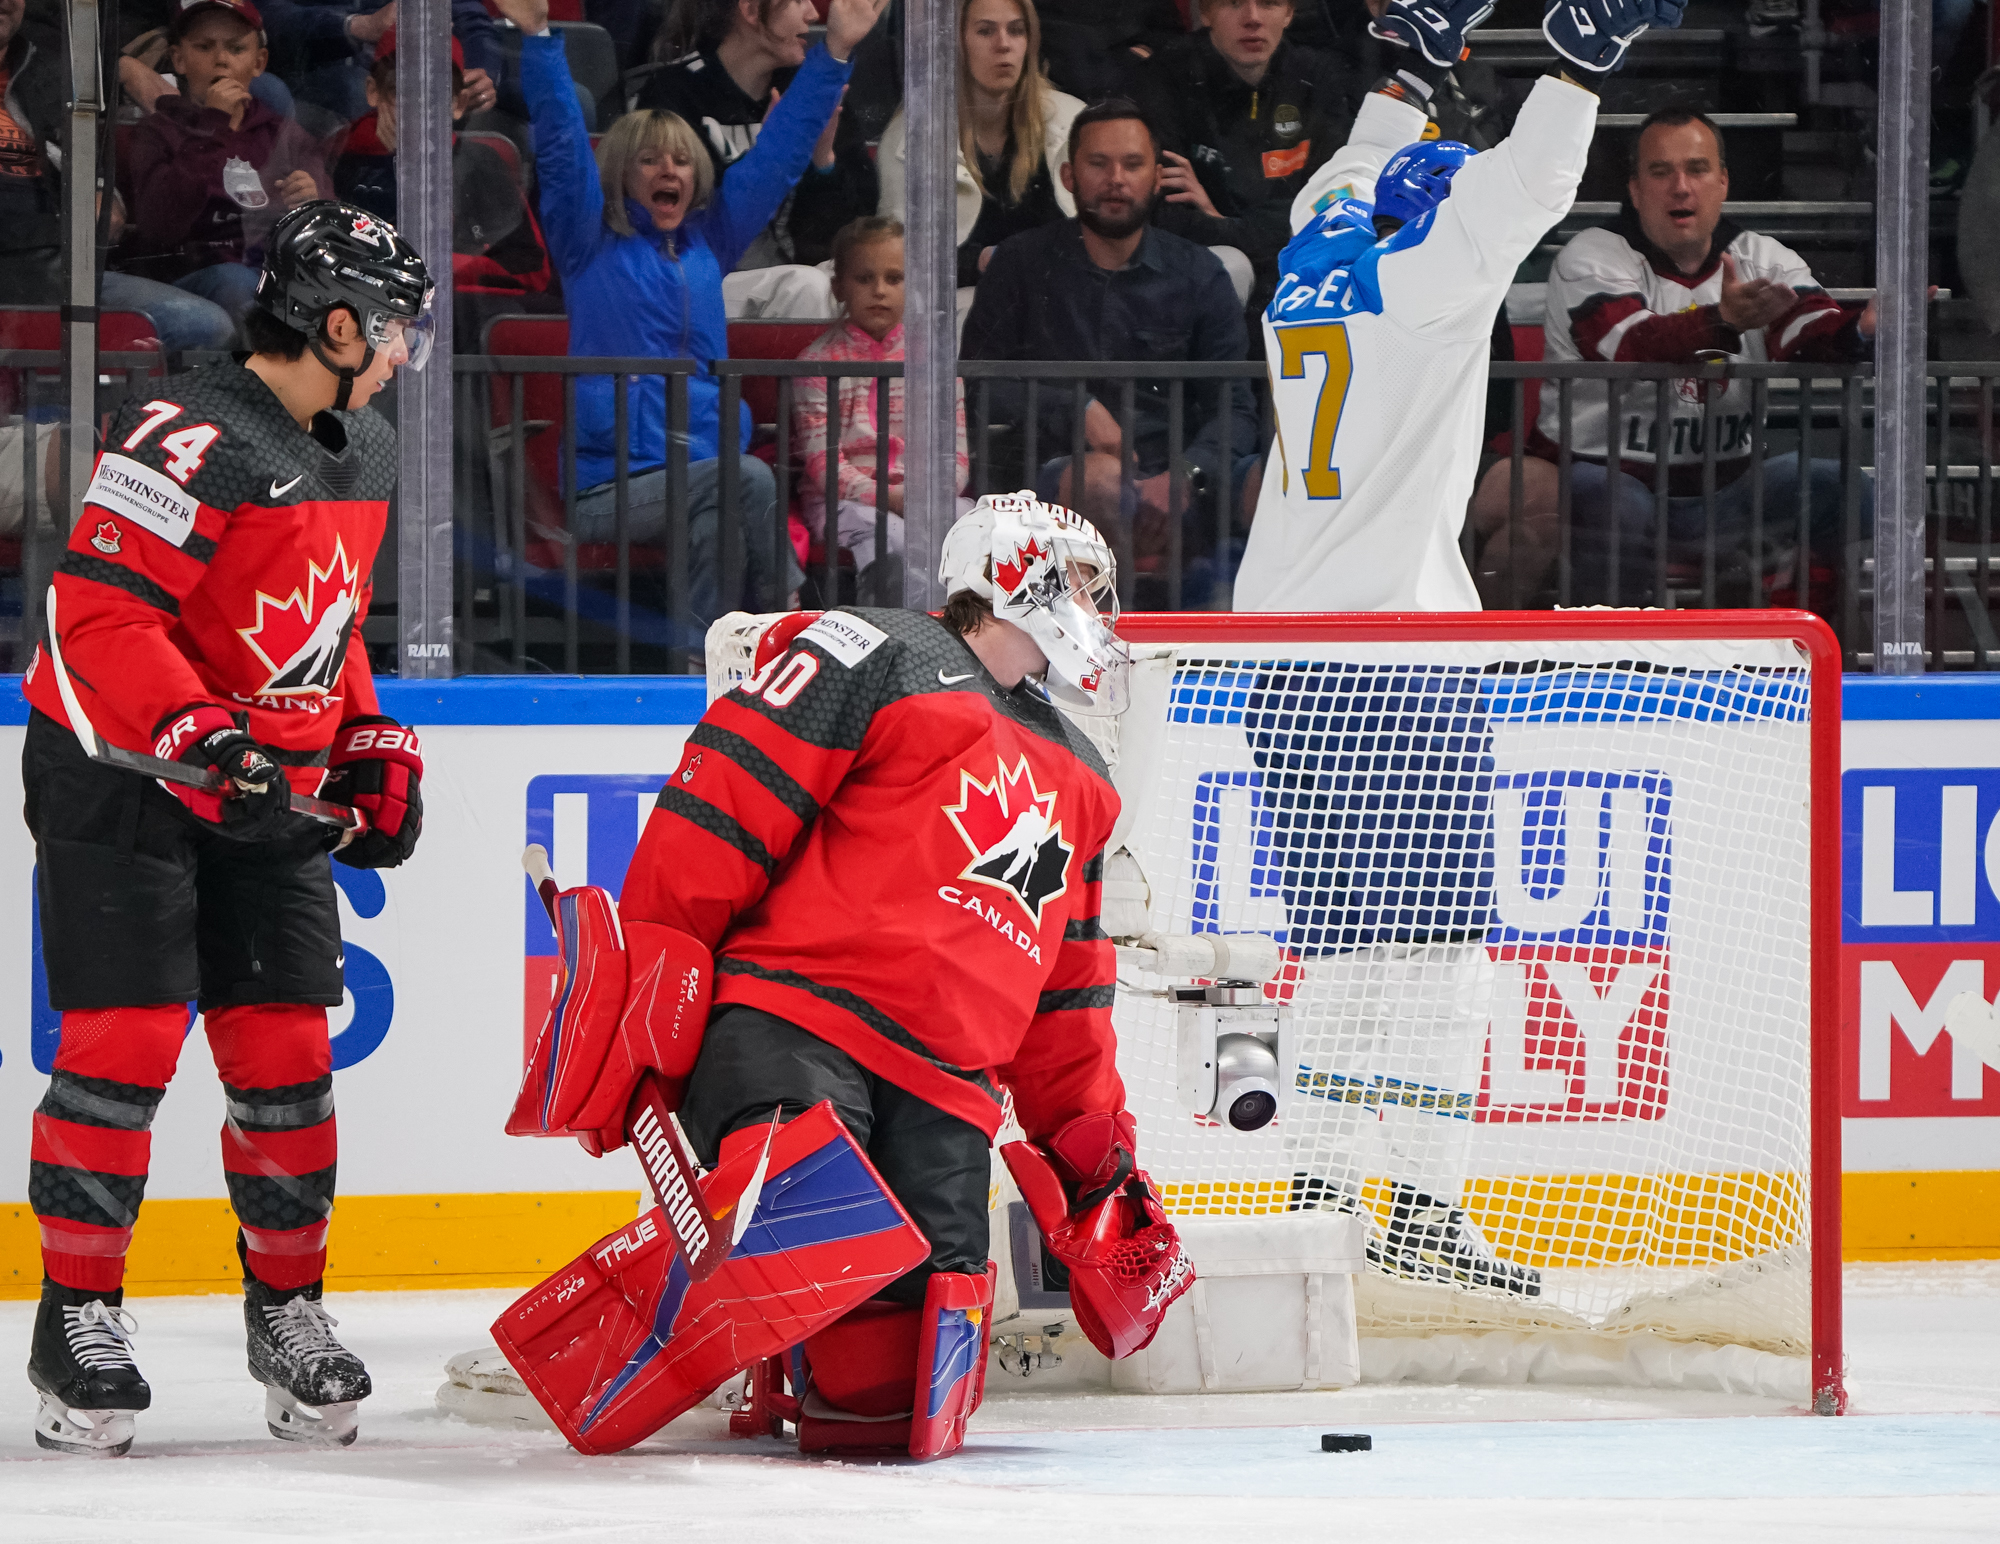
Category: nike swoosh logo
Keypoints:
(278, 493)
(953, 680)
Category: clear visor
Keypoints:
(402, 340)
(1103, 680)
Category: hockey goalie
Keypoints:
(865, 907)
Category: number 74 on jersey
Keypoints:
(1327, 342)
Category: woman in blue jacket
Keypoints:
(642, 235)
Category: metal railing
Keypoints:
(531, 596)
(1820, 413)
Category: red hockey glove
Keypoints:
(377, 768)
(1103, 1220)
(255, 801)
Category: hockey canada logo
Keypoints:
(1016, 841)
(108, 537)
(302, 639)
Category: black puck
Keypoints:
(1345, 1442)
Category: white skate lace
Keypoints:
(304, 1329)
(100, 1335)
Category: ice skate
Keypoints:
(1431, 1240)
(314, 1382)
(82, 1363)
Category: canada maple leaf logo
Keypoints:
(1016, 841)
(302, 639)
(1008, 572)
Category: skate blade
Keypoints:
(322, 1425)
(83, 1433)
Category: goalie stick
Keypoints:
(655, 1134)
(104, 753)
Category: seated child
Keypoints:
(868, 286)
(211, 168)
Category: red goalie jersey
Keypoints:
(887, 849)
(223, 556)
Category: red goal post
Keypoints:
(1325, 779)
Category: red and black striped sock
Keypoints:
(93, 1138)
(278, 1138)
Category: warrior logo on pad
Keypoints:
(1016, 841)
(302, 639)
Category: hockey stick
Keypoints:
(656, 1136)
(104, 753)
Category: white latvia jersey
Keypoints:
(1378, 355)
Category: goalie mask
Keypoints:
(1046, 570)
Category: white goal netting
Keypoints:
(1546, 912)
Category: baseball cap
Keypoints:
(185, 12)
(386, 49)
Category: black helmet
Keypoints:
(325, 255)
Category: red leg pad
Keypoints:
(620, 1342)
(951, 1360)
(890, 1379)
(866, 1362)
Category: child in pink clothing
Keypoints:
(868, 284)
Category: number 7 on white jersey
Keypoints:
(1328, 340)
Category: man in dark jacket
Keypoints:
(1106, 285)
(1243, 117)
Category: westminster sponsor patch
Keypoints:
(847, 638)
(131, 488)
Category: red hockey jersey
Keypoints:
(223, 555)
(888, 850)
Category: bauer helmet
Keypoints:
(326, 255)
(1417, 178)
(1045, 569)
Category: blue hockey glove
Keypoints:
(1594, 34)
(1434, 28)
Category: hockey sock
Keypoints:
(278, 1139)
(93, 1138)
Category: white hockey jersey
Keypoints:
(1611, 296)
(1378, 355)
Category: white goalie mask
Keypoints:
(1045, 569)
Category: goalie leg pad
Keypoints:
(622, 1340)
(886, 1379)
(951, 1360)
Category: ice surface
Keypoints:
(1920, 1459)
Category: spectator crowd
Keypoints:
(1126, 178)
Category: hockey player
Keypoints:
(209, 609)
(1379, 334)
(892, 842)
(1378, 340)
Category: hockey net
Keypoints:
(1553, 895)
(1555, 899)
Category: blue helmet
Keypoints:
(1418, 177)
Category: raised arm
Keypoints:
(752, 190)
(572, 197)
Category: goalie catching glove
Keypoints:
(1101, 1217)
(376, 767)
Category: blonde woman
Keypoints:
(1013, 129)
(642, 235)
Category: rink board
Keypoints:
(443, 960)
